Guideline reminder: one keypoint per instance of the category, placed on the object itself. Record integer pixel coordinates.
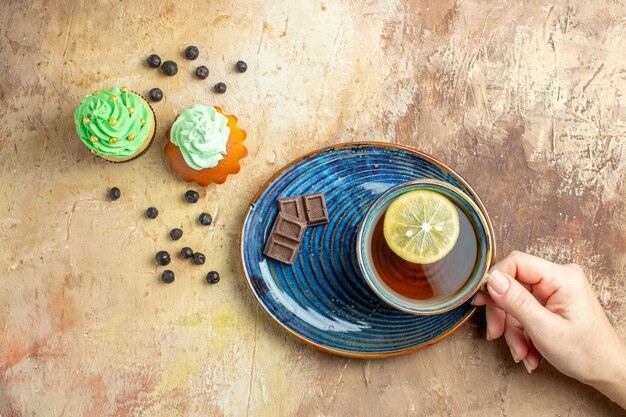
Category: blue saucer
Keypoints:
(322, 299)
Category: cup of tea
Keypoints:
(425, 252)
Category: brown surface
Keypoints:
(526, 99)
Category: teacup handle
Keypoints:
(483, 284)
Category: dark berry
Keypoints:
(162, 257)
(202, 72)
(220, 88)
(176, 234)
(205, 219)
(167, 276)
(191, 52)
(186, 252)
(114, 193)
(241, 66)
(213, 277)
(152, 213)
(155, 94)
(169, 68)
(154, 61)
(192, 196)
(199, 258)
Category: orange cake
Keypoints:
(205, 145)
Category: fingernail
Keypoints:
(514, 355)
(528, 367)
(488, 338)
(498, 282)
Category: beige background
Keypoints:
(527, 100)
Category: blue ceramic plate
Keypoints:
(322, 299)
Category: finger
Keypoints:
(481, 299)
(539, 296)
(515, 300)
(515, 339)
(495, 321)
(533, 358)
(546, 277)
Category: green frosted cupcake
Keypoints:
(117, 124)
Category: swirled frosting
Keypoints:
(200, 132)
(113, 122)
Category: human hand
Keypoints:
(550, 310)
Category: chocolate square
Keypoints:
(289, 227)
(292, 206)
(315, 209)
(281, 249)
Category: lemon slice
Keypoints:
(421, 226)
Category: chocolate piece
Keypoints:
(289, 227)
(292, 206)
(315, 209)
(281, 249)
(285, 237)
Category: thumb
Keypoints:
(516, 300)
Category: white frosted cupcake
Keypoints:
(205, 145)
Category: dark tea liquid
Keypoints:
(434, 282)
